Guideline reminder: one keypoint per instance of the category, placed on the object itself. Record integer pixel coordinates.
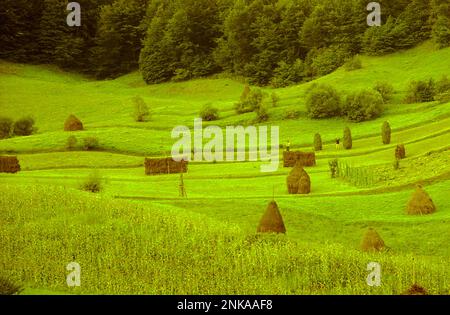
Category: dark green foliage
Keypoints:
(24, 127)
(287, 74)
(334, 167)
(8, 288)
(93, 183)
(71, 143)
(386, 133)
(385, 89)
(262, 114)
(141, 111)
(209, 113)
(251, 103)
(326, 60)
(317, 142)
(348, 143)
(420, 92)
(90, 143)
(354, 63)
(362, 106)
(323, 101)
(6, 126)
(275, 99)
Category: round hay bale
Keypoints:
(271, 221)
(372, 241)
(415, 290)
(73, 124)
(304, 184)
(420, 203)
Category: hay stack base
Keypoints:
(291, 158)
(9, 164)
(164, 166)
(415, 290)
(372, 241)
(420, 203)
(271, 221)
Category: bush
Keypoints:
(323, 101)
(317, 142)
(326, 60)
(71, 143)
(362, 106)
(333, 164)
(209, 113)
(420, 92)
(288, 74)
(24, 127)
(291, 114)
(442, 90)
(386, 133)
(262, 114)
(275, 99)
(443, 98)
(141, 111)
(91, 143)
(354, 63)
(385, 89)
(93, 183)
(245, 93)
(251, 103)
(348, 143)
(8, 288)
(73, 124)
(6, 126)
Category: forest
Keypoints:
(268, 42)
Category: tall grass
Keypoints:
(128, 248)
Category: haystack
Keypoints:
(415, 290)
(372, 241)
(272, 221)
(9, 164)
(420, 203)
(73, 124)
(400, 152)
(294, 178)
(290, 158)
(164, 166)
(304, 184)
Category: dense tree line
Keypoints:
(276, 42)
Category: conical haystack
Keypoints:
(272, 221)
(372, 241)
(73, 124)
(304, 184)
(415, 290)
(294, 178)
(400, 152)
(420, 203)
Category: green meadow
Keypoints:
(138, 236)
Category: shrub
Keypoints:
(353, 63)
(291, 114)
(443, 97)
(275, 99)
(317, 142)
(362, 106)
(262, 114)
(73, 124)
(8, 288)
(386, 133)
(333, 164)
(245, 93)
(400, 152)
(420, 203)
(141, 111)
(323, 101)
(209, 113)
(385, 89)
(272, 221)
(326, 60)
(372, 241)
(348, 143)
(24, 127)
(6, 126)
(420, 92)
(288, 74)
(443, 90)
(71, 143)
(91, 143)
(93, 183)
(251, 103)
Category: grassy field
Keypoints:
(138, 236)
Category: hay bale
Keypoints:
(304, 184)
(9, 164)
(290, 158)
(164, 166)
(73, 124)
(271, 221)
(420, 203)
(372, 241)
(294, 178)
(400, 152)
(415, 290)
